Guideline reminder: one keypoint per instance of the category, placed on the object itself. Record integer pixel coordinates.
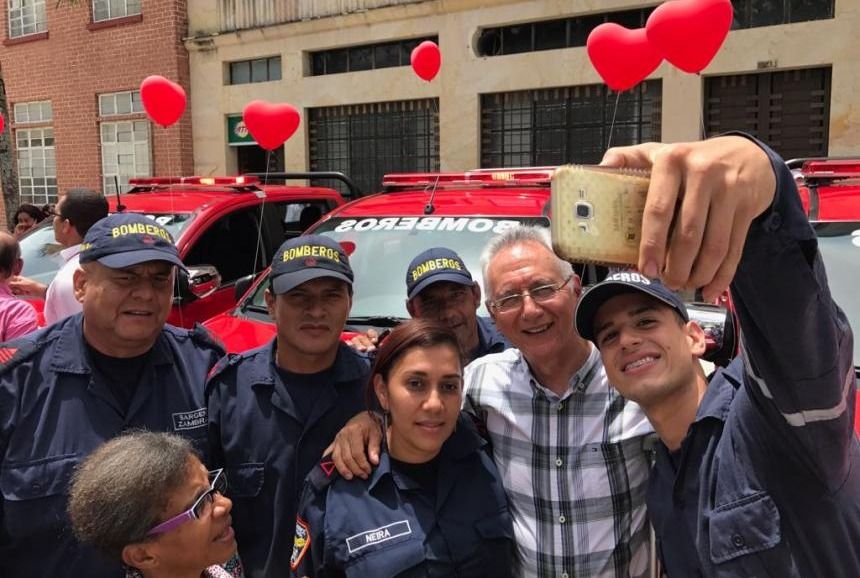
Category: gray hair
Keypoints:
(120, 490)
(517, 236)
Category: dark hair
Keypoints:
(83, 207)
(406, 336)
(10, 252)
(32, 210)
(120, 490)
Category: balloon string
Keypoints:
(428, 207)
(173, 192)
(434, 108)
(612, 124)
(704, 134)
(259, 246)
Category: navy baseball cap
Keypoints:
(127, 239)
(308, 257)
(618, 284)
(434, 265)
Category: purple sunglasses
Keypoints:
(218, 483)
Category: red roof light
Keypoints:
(495, 177)
(831, 169)
(205, 181)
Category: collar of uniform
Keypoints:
(463, 442)
(578, 382)
(718, 397)
(260, 372)
(382, 470)
(71, 353)
(348, 364)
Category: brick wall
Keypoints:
(80, 60)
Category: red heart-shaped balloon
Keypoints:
(689, 33)
(622, 57)
(271, 124)
(163, 100)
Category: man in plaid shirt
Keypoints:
(568, 446)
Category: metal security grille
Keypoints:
(366, 141)
(755, 13)
(789, 110)
(565, 125)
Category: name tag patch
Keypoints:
(378, 536)
(189, 419)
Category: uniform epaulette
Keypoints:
(323, 474)
(13, 353)
(202, 335)
(228, 360)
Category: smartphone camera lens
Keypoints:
(583, 210)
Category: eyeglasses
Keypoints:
(51, 212)
(540, 294)
(217, 484)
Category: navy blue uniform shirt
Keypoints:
(767, 480)
(55, 410)
(489, 339)
(389, 525)
(266, 446)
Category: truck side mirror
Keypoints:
(202, 280)
(720, 336)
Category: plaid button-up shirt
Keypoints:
(574, 467)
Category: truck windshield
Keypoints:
(381, 248)
(839, 243)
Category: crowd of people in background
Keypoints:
(72, 216)
(538, 442)
(28, 216)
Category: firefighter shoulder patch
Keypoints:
(301, 543)
(6, 354)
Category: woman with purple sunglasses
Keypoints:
(146, 499)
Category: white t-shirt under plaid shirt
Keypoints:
(574, 467)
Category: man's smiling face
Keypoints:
(648, 351)
(537, 329)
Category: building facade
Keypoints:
(71, 73)
(516, 87)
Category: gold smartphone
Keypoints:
(597, 214)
